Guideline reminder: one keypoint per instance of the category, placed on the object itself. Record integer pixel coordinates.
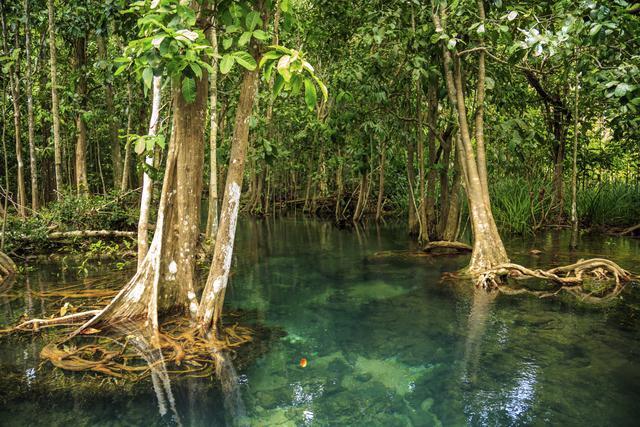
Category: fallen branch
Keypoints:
(60, 235)
(447, 245)
(629, 230)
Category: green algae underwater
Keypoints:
(387, 342)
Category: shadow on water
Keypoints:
(386, 340)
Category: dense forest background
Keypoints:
(559, 102)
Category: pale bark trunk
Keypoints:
(31, 121)
(147, 182)
(15, 94)
(212, 300)
(54, 101)
(488, 249)
(479, 119)
(574, 170)
(82, 184)
(212, 211)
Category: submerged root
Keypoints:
(127, 355)
(593, 280)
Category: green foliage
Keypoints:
(171, 43)
(609, 205)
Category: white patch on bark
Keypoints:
(136, 292)
(173, 267)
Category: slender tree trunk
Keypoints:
(147, 182)
(479, 119)
(432, 174)
(574, 168)
(414, 229)
(54, 101)
(450, 229)
(488, 249)
(126, 166)
(212, 300)
(444, 186)
(381, 183)
(116, 153)
(6, 164)
(212, 211)
(423, 236)
(82, 184)
(14, 81)
(35, 193)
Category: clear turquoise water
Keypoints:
(387, 343)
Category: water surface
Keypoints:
(386, 340)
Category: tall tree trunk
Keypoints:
(82, 184)
(479, 119)
(126, 165)
(450, 228)
(381, 183)
(54, 101)
(414, 229)
(147, 182)
(14, 81)
(432, 174)
(423, 236)
(189, 123)
(212, 211)
(445, 194)
(35, 193)
(488, 249)
(116, 153)
(6, 163)
(212, 299)
(574, 168)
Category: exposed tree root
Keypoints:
(593, 280)
(129, 353)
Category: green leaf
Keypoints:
(253, 20)
(278, 85)
(268, 56)
(245, 59)
(140, 146)
(261, 35)
(147, 77)
(197, 71)
(121, 69)
(285, 6)
(227, 63)
(322, 86)
(622, 89)
(310, 94)
(244, 38)
(226, 43)
(189, 89)
(595, 29)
